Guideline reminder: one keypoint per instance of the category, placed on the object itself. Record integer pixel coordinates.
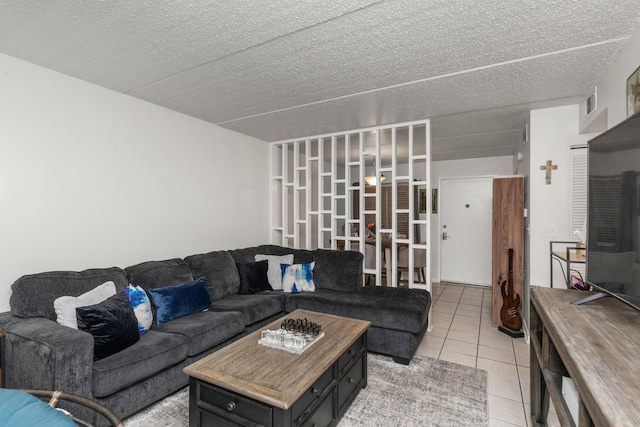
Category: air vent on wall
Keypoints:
(590, 103)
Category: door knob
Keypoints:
(445, 236)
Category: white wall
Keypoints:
(93, 178)
(461, 168)
(502, 165)
(553, 132)
(612, 85)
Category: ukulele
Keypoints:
(510, 301)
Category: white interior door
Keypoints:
(466, 230)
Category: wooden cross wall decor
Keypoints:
(548, 167)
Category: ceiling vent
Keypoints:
(590, 104)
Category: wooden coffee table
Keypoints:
(249, 384)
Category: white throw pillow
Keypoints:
(65, 307)
(274, 273)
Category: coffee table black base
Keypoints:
(322, 405)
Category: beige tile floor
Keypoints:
(462, 333)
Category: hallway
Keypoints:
(462, 333)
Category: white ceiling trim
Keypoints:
(430, 79)
(251, 47)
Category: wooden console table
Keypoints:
(597, 345)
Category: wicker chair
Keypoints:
(55, 396)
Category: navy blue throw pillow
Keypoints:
(176, 301)
(112, 323)
(253, 277)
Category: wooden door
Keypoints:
(508, 232)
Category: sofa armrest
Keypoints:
(41, 354)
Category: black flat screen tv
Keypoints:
(613, 232)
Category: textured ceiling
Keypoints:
(292, 68)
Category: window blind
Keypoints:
(579, 196)
(579, 190)
(402, 200)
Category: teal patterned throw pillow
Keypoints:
(298, 278)
(141, 307)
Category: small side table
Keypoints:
(570, 254)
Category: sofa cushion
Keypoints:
(220, 270)
(338, 270)
(112, 323)
(253, 277)
(65, 306)
(390, 308)
(206, 329)
(33, 295)
(246, 254)
(154, 352)
(254, 307)
(156, 274)
(300, 256)
(172, 302)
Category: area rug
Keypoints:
(427, 392)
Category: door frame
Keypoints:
(439, 221)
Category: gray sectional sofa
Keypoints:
(41, 354)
